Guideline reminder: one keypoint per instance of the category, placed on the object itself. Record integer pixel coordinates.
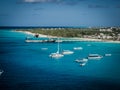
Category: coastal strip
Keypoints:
(64, 39)
(30, 33)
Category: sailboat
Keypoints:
(57, 54)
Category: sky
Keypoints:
(60, 13)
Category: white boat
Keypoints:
(81, 60)
(67, 52)
(108, 54)
(94, 56)
(57, 54)
(77, 48)
(1, 71)
(82, 64)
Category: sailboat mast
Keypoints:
(58, 45)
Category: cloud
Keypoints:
(40, 1)
(67, 2)
(37, 1)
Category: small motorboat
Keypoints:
(108, 54)
(95, 56)
(77, 48)
(81, 60)
(82, 64)
(67, 52)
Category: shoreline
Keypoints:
(72, 38)
(30, 33)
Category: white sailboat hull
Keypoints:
(56, 55)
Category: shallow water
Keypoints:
(27, 67)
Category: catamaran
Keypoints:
(57, 54)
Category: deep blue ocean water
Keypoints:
(27, 67)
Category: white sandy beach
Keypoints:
(33, 34)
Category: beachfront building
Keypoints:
(106, 30)
(118, 38)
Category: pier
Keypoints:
(41, 41)
(63, 40)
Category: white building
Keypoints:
(104, 30)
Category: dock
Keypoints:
(62, 40)
(41, 41)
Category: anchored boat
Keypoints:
(83, 64)
(57, 54)
(77, 48)
(81, 60)
(67, 52)
(108, 54)
(94, 56)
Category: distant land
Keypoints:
(102, 33)
(31, 27)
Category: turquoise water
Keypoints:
(27, 67)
